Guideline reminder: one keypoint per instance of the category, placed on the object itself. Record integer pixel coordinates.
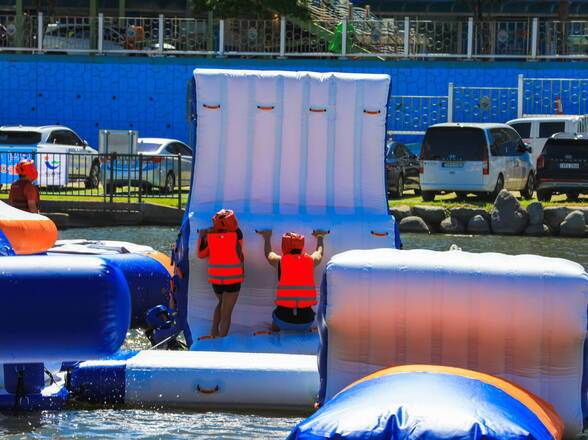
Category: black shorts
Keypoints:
(303, 315)
(229, 288)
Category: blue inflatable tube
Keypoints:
(61, 308)
(148, 281)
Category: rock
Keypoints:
(508, 217)
(413, 223)
(555, 215)
(535, 211)
(574, 225)
(451, 225)
(433, 215)
(541, 230)
(465, 214)
(478, 225)
(400, 211)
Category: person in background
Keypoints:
(296, 290)
(24, 194)
(223, 245)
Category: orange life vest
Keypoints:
(17, 196)
(224, 264)
(296, 285)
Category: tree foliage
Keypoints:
(249, 8)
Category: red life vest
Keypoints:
(224, 264)
(17, 197)
(296, 287)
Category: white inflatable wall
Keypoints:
(290, 151)
(522, 318)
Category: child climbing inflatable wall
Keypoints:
(287, 151)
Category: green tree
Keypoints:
(250, 8)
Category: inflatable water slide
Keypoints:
(287, 151)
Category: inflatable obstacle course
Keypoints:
(435, 403)
(26, 232)
(522, 318)
(287, 151)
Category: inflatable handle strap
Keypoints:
(369, 112)
(379, 234)
(262, 332)
(207, 390)
(205, 338)
(261, 107)
(211, 107)
(317, 110)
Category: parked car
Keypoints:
(157, 167)
(536, 130)
(402, 170)
(562, 167)
(73, 37)
(82, 160)
(475, 158)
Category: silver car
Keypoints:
(165, 164)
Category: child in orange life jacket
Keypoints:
(223, 245)
(296, 290)
(24, 194)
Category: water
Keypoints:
(94, 423)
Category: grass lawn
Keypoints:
(166, 201)
(451, 201)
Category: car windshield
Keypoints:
(562, 148)
(147, 147)
(19, 137)
(454, 143)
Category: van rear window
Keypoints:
(546, 129)
(19, 137)
(454, 143)
(561, 148)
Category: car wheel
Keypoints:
(428, 196)
(529, 189)
(399, 188)
(93, 180)
(461, 195)
(572, 196)
(170, 183)
(499, 186)
(543, 196)
(417, 191)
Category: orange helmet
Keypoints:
(292, 241)
(27, 167)
(225, 219)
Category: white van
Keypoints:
(535, 130)
(475, 158)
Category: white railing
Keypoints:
(329, 35)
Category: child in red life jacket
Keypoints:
(223, 245)
(24, 194)
(296, 290)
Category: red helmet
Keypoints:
(27, 168)
(292, 241)
(225, 219)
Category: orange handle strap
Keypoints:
(368, 112)
(261, 107)
(379, 234)
(317, 110)
(204, 338)
(211, 107)
(179, 271)
(207, 390)
(262, 332)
